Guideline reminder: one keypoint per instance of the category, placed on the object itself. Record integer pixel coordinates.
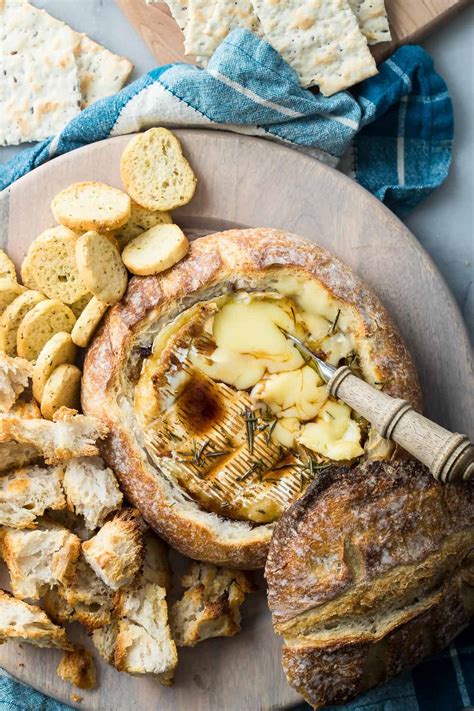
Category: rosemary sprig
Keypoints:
(217, 454)
(250, 426)
(334, 324)
(269, 432)
(256, 468)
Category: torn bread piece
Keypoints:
(77, 666)
(144, 644)
(156, 567)
(27, 493)
(92, 490)
(39, 559)
(22, 622)
(210, 607)
(373, 20)
(105, 639)
(15, 374)
(321, 41)
(69, 435)
(115, 552)
(85, 599)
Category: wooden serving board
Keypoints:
(410, 20)
(248, 182)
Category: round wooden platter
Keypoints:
(245, 181)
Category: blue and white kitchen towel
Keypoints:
(398, 127)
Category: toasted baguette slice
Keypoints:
(144, 644)
(115, 552)
(39, 559)
(25, 494)
(62, 389)
(78, 306)
(92, 490)
(155, 250)
(15, 374)
(22, 622)
(91, 206)
(140, 220)
(7, 268)
(70, 435)
(40, 324)
(155, 172)
(101, 267)
(50, 265)
(9, 290)
(58, 350)
(88, 321)
(77, 667)
(13, 316)
(211, 605)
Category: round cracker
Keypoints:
(101, 268)
(40, 324)
(9, 291)
(91, 206)
(140, 220)
(155, 250)
(62, 389)
(50, 266)
(13, 316)
(7, 268)
(58, 350)
(88, 321)
(78, 306)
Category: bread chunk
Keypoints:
(22, 622)
(77, 666)
(92, 490)
(15, 374)
(210, 607)
(155, 568)
(26, 494)
(368, 573)
(115, 552)
(105, 640)
(70, 435)
(155, 250)
(144, 644)
(91, 206)
(39, 559)
(50, 266)
(85, 599)
(155, 172)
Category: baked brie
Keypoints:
(218, 423)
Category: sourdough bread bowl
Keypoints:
(369, 572)
(216, 422)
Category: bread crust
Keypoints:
(370, 571)
(216, 264)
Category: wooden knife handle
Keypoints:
(449, 456)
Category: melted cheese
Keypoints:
(297, 394)
(334, 434)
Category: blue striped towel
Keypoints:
(398, 130)
(398, 127)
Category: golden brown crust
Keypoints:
(371, 563)
(237, 259)
(77, 667)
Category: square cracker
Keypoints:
(196, 39)
(372, 18)
(320, 39)
(210, 23)
(179, 10)
(37, 98)
(101, 73)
